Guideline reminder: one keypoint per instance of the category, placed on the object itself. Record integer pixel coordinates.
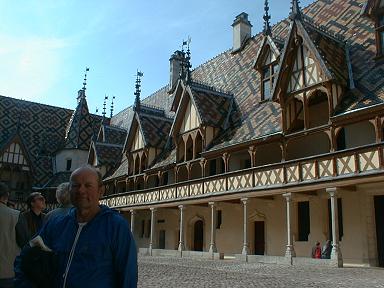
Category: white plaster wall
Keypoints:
(79, 158)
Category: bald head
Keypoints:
(86, 189)
(90, 169)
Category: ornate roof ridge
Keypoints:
(208, 88)
(115, 127)
(324, 30)
(108, 144)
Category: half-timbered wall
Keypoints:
(138, 141)
(305, 71)
(191, 120)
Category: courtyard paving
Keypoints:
(176, 272)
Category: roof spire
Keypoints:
(188, 65)
(113, 97)
(266, 17)
(136, 106)
(295, 10)
(104, 104)
(85, 78)
(81, 93)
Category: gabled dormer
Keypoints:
(374, 9)
(267, 59)
(14, 154)
(147, 136)
(314, 73)
(201, 113)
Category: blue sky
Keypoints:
(46, 45)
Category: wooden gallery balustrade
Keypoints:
(314, 172)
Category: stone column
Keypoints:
(181, 236)
(245, 227)
(133, 212)
(336, 256)
(290, 252)
(212, 245)
(153, 210)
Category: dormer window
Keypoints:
(268, 74)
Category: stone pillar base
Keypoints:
(290, 252)
(336, 257)
(245, 250)
(212, 248)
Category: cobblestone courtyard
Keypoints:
(176, 272)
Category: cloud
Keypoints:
(30, 66)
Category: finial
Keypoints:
(85, 78)
(104, 104)
(113, 97)
(267, 17)
(136, 106)
(295, 10)
(187, 64)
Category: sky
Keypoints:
(46, 45)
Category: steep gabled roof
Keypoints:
(251, 119)
(106, 153)
(57, 179)
(153, 124)
(267, 44)
(328, 52)
(80, 129)
(40, 127)
(112, 134)
(121, 170)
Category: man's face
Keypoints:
(38, 203)
(85, 190)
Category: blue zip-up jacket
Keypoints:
(105, 253)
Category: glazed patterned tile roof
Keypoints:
(233, 72)
(81, 128)
(122, 169)
(155, 128)
(57, 179)
(40, 127)
(213, 107)
(113, 135)
(332, 50)
(108, 154)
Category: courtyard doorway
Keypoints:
(259, 238)
(379, 212)
(198, 235)
(162, 239)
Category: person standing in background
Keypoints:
(8, 248)
(30, 221)
(64, 199)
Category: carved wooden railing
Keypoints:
(331, 166)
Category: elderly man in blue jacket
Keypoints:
(93, 244)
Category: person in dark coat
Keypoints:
(30, 221)
(327, 249)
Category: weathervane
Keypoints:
(136, 106)
(185, 72)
